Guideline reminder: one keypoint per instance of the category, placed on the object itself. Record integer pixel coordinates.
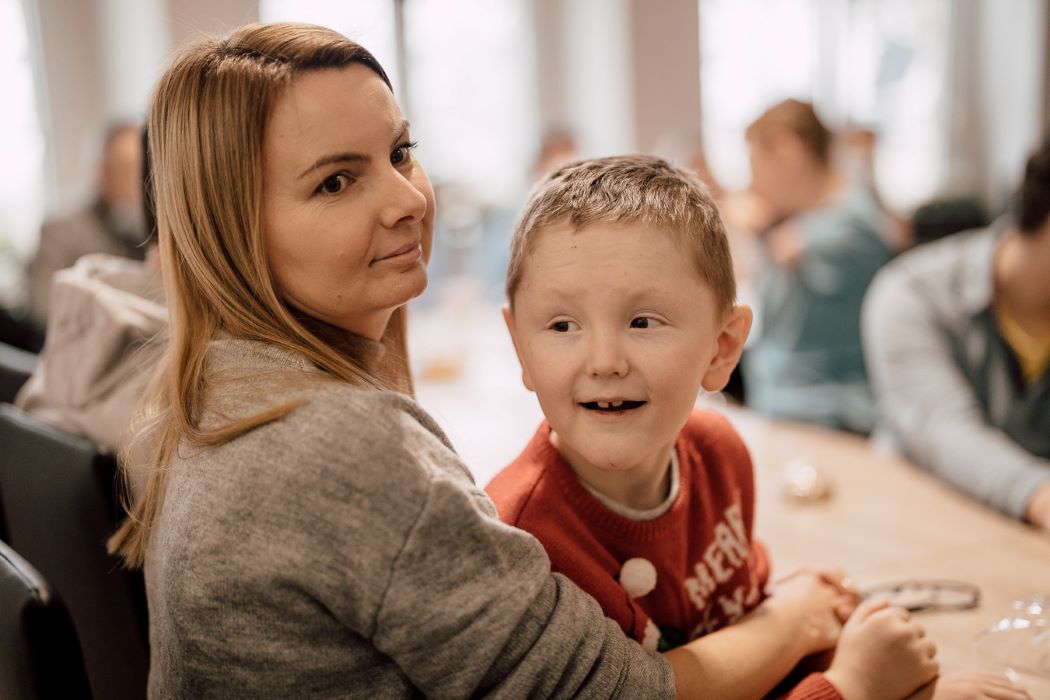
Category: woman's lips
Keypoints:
(406, 253)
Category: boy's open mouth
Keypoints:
(612, 406)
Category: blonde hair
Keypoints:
(628, 189)
(206, 126)
(800, 119)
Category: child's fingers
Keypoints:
(930, 668)
(795, 574)
(844, 606)
(838, 578)
(868, 608)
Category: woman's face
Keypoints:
(348, 213)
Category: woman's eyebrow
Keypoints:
(335, 158)
(402, 129)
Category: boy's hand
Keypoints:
(971, 686)
(881, 653)
(850, 596)
(813, 606)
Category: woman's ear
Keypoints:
(508, 318)
(728, 347)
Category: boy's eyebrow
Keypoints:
(402, 129)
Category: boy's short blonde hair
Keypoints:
(629, 189)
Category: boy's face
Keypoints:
(616, 333)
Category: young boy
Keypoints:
(621, 308)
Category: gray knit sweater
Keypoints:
(344, 551)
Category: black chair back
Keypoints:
(39, 653)
(15, 367)
(59, 505)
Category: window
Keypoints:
(470, 79)
(370, 23)
(22, 143)
(879, 64)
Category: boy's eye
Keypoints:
(563, 326)
(334, 184)
(402, 153)
(644, 322)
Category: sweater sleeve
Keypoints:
(815, 686)
(469, 607)
(930, 406)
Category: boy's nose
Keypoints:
(606, 357)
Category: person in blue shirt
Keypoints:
(829, 240)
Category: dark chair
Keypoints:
(39, 652)
(944, 217)
(15, 367)
(57, 500)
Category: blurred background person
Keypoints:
(957, 335)
(106, 330)
(827, 242)
(111, 224)
(557, 148)
(506, 89)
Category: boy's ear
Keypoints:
(508, 318)
(728, 347)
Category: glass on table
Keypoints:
(1020, 640)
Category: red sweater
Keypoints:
(709, 569)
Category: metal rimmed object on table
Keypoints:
(915, 595)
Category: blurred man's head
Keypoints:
(788, 145)
(1033, 199)
(120, 180)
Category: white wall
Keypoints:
(623, 75)
(99, 60)
(996, 109)
(1012, 53)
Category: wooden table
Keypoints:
(885, 521)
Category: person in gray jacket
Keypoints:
(957, 340)
(305, 527)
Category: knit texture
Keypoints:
(710, 571)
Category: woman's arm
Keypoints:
(465, 605)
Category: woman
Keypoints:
(306, 529)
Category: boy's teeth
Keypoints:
(617, 404)
(603, 404)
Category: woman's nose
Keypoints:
(606, 356)
(404, 201)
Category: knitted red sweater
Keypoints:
(709, 569)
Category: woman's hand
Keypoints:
(881, 653)
(971, 686)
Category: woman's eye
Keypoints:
(643, 322)
(334, 184)
(402, 153)
(563, 326)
